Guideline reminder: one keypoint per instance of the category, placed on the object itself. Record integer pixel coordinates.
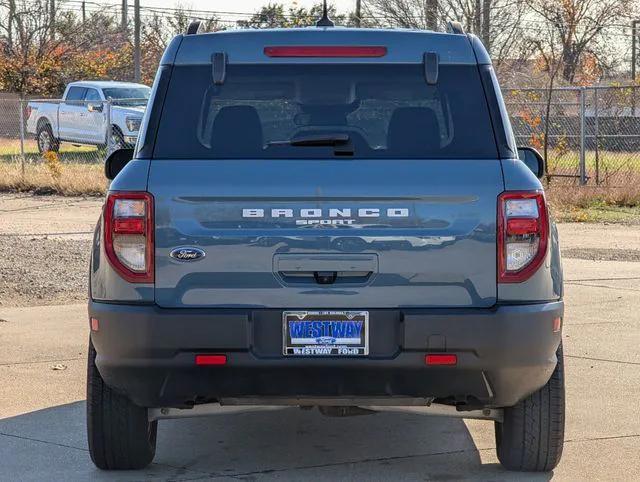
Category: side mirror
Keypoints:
(95, 107)
(533, 160)
(116, 162)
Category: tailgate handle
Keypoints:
(326, 262)
(325, 269)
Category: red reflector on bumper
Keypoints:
(95, 324)
(325, 51)
(203, 360)
(441, 359)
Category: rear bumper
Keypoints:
(504, 354)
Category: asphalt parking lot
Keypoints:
(43, 363)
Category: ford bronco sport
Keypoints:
(326, 217)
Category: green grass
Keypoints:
(10, 150)
(605, 158)
(611, 164)
(599, 214)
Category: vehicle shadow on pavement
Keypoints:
(270, 443)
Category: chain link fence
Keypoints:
(589, 135)
(72, 131)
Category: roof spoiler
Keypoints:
(194, 27)
(455, 27)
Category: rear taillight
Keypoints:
(128, 235)
(523, 234)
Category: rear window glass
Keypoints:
(76, 93)
(127, 93)
(323, 110)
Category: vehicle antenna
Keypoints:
(324, 21)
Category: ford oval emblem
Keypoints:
(187, 253)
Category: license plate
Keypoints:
(325, 333)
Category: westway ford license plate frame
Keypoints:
(325, 333)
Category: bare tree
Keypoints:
(496, 22)
(546, 48)
(432, 14)
(579, 27)
(274, 15)
(11, 12)
(27, 25)
(468, 12)
(420, 14)
(486, 23)
(34, 61)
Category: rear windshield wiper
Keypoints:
(341, 142)
(315, 140)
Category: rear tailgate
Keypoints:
(401, 233)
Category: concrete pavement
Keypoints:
(42, 431)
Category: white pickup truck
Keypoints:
(83, 117)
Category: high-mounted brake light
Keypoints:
(128, 235)
(523, 235)
(325, 51)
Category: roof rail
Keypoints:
(455, 27)
(194, 27)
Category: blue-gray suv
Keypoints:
(326, 217)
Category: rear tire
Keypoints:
(45, 139)
(119, 432)
(531, 436)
